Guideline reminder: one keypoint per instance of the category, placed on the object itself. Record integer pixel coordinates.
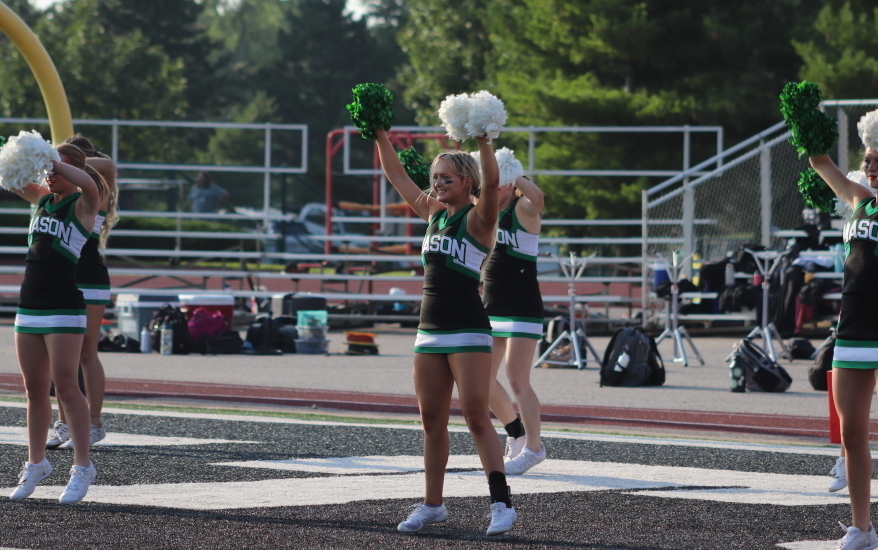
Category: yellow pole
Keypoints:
(60, 120)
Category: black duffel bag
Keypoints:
(760, 373)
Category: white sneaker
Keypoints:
(514, 445)
(840, 476)
(423, 515)
(502, 518)
(855, 539)
(31, 474)
(526, 460)
(80, 479)
(95, 435)
(58, 435)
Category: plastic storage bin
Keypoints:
(311, 333)
(312, 347)
(224, 303)
(316, 318)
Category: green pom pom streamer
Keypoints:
(372, 109)
(813, 133)
(815, 192)
(415, 166)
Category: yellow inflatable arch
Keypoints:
(60, 121)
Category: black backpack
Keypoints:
(822, 365)
(751, 368)
(173, 317)
(632, 359)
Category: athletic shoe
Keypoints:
(840, 476)
(423, 515)
(30, 475)
(858, 540)
(80, 479)
(96, 435)
(58, 435)
(502, 518)
(526, 460)
(514, 445)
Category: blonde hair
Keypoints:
(462, 164)
(76, 157)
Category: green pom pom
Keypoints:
(813, 133)
(415, 166)
(372, 109)
(2, 141)
(815, 192)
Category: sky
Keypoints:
(356, 6)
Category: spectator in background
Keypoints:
(206, 196)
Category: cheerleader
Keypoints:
(515, 308)
(855, 357)
(51, 321)
(453, 344)
(94, 282)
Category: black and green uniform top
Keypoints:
(55, 234)
(857, 343)
(512, 292)
(452, 261)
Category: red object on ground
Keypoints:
(224, 303)
(834, 423)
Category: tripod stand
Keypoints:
(673, 329)
(767, 330)
(575, 332)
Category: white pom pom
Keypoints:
(486, 115)
(510, 168)
(867, 128)
(453, 112)
(26, 158)
(842, 209)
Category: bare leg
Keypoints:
(519, 355)
(852, 391)
(433, 386)
(501, 404)
(92, 369)
(472, 373)
(63, 356)
(33, 361)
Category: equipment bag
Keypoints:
(172, 317)
(551, 331)
(205, 325)
(753, 369)
(822, 365)
(226, 342)
(632, 359)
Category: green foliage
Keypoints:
(813, 133)
(815, 192)
(104, 76)
(415, 166)
(164, 224)
(372, 109)
(840, 55)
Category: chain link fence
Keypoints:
(749, 195)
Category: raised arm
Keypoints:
(90, 202)
(850, 192)
(422, 203)
(531, 204)
(32, 192)
(482, 224)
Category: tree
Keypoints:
(608, 62)
(104, 76)
(840, 56)
(175, 27)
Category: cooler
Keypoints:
(134, 311)
(224, 303)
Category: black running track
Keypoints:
(601, 519)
